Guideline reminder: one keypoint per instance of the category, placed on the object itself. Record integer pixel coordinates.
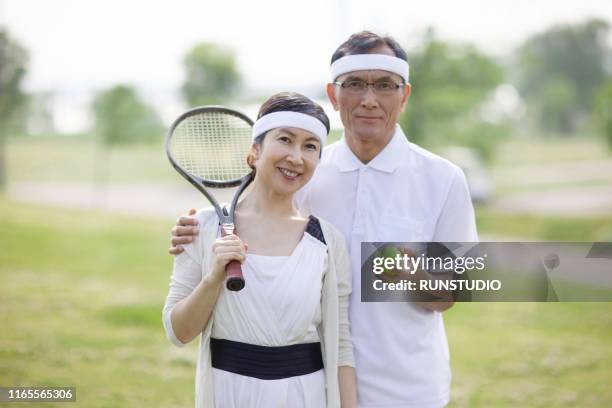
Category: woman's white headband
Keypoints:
(286, 119)
(362, 62)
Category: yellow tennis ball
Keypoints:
(390, 252)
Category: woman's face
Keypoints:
(286, 159)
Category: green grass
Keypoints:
(80, 159)
(530, 354)
(74, 159)
(334, 136)
(81, 296)
(81, 300)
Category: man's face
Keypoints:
(369, 116)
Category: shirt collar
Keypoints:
(389, 158)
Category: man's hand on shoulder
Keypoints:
(184, 232)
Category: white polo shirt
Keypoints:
(404, 194)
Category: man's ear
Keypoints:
(331, 94)
(407, 90)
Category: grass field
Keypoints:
(81, 296)
(554, 228)
(81, 159)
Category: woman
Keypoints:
(266, 345)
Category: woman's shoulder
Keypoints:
(330, 235)
(208, 223)
(206, 215)
(315, 229)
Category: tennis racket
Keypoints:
(208, 147)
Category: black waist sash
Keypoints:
(266, 363)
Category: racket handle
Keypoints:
(234, 280)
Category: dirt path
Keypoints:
(554, 173)
(576, 201)
(162, 200)
(579, 188)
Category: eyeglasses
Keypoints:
(358, 86)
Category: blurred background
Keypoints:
(518, 93)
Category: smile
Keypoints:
(288, 173)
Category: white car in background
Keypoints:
(479, 182)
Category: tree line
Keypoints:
(563, 76)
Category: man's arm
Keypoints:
(457, 223)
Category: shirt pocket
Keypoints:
(400, 229)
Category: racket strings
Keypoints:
(212, 146)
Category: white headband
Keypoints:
(362, 62)
(290, 119)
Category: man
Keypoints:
(374, 185)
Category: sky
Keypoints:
(80, 47)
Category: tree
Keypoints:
(554, 104)
(567, 62)
(13, 62)
(121, 117)
(211, 75)
(604, 111)
(449, 81)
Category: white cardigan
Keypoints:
(334, 333)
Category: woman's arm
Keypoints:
(348, 387)
(190, 315)
(192, 299)
(344, 280)
(346, 371)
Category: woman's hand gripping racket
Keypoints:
(208, 146)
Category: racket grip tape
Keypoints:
(234, 280)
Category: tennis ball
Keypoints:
(390, 252)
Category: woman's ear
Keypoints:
(253, 155)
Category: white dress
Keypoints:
(279, 306)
